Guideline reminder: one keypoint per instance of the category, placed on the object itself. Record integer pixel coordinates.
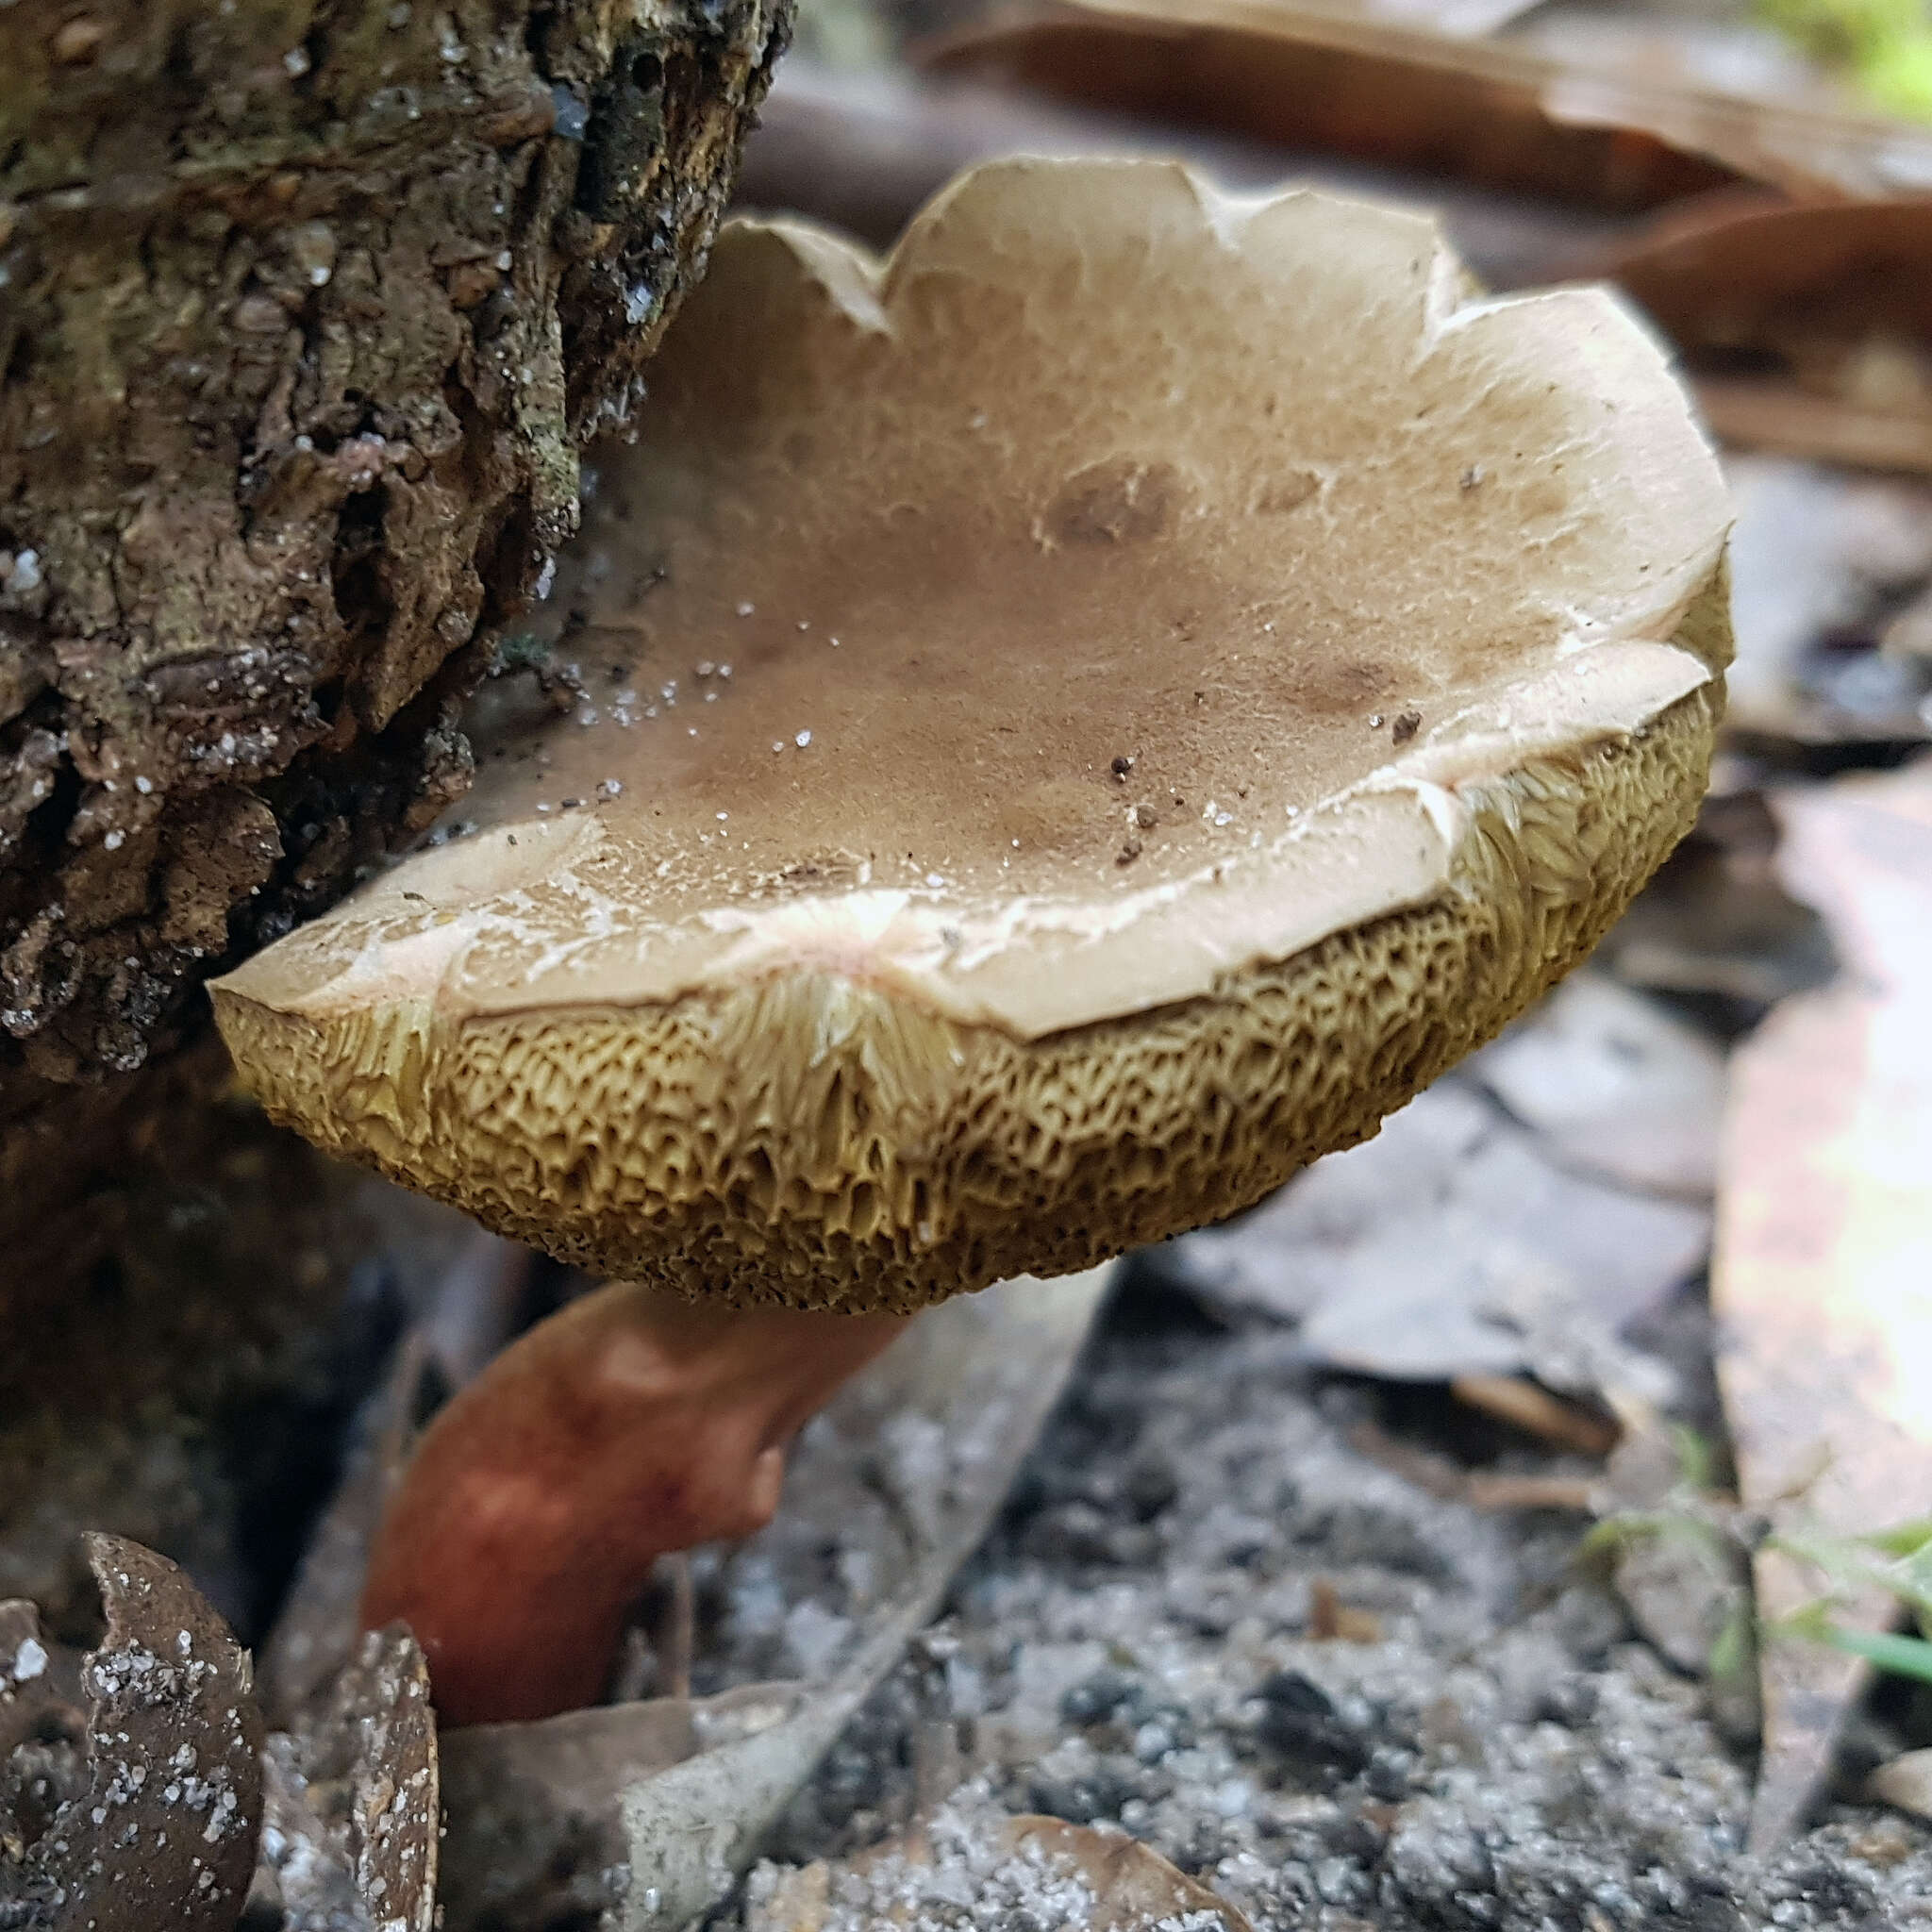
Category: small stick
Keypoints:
(1524, 1406)
(678, 1628)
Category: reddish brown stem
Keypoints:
(631, 1423)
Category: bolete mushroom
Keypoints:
(1073, 723)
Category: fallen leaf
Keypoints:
(536, 1812)
(1537, 1412)
(160, 1825)
(969, 1865)
(1775, 412)
(363, 1768)
(351, 1818)
(1822, 1278)
(1745, 267)
(649, 1811)
(1617, 1088)
(301, 1877)
(1484, 111)
(1807, 326)
(1453, 1245)
(966, 1391)
(1135, 1889)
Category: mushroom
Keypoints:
(1071, 725)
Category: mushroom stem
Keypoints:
(631, 1423)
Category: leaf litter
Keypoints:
(1313, 1684)
(144, 1806)
(1315, 1674)
(1514, 1218)
(647, 1811)
(971, 1864)
(1823, 1282)
(353, 1822)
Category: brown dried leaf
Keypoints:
(164, 1832)
(948, 1869)
(1779, 412)
(1823, 1279)
(1484, 111)
(864, 152)
(1135, 1889)
(1746, 269)
(1835, 297)
(353, 1806)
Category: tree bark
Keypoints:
(305, 308)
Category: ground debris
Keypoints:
(461, 1284)
(1823, 1278)
(1502, 1756)
(1620, 1089)
(353, 1817)
(971, 1865)
(44, 1764)
(1475, 1239)
(150, 1815)
(536, 1811)
(646, 1812)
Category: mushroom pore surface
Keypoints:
(1076, 721)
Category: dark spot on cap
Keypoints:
(1120, 501)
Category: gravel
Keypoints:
(1133, 1647)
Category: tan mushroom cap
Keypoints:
(1078, 721)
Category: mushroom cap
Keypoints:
(1077, 722)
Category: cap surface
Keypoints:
(1078, 720)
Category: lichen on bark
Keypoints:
(305, 308)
